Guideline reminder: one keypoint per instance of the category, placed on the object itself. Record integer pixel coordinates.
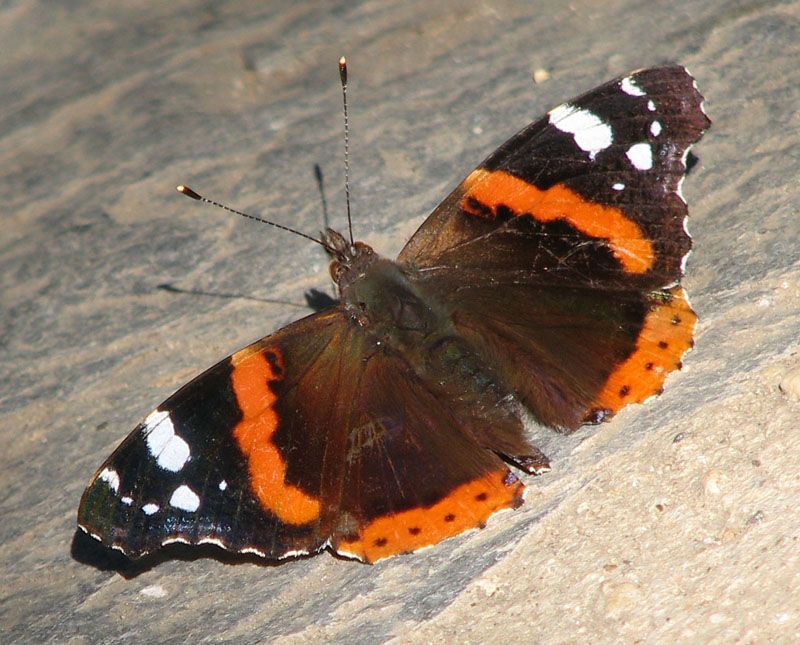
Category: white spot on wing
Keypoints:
(175, 539)
(349, 554)
(641, 156)
(150, 509)
(655, 128)
(110, 477)
(684, 260)
(294, 553)
(154, 418)
(618, 186)
(591, 134)
(185, 499)
(694, 85)
(629, 86)
(169, 450)
(223, 485)
(679, 189)
(651, 106)
(252, 549)
(126, 500)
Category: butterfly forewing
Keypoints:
(309, 437)
(214, 463)
(586, 196)
(565, 246)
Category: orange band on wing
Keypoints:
(492, 189)
(665, 337)
(467, 507)
(254, 434)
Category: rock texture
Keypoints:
(676, 521)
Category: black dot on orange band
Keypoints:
(648, 366)
(663, 344)
(481, 497)
(449, 517)
(676, 320)
(624, 390)
(415, 530)
(477, 208)
(382, 541)
(272, 358)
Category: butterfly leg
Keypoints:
(535, 463)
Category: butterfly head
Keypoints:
(350, 260)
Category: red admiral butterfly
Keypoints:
(547, 282)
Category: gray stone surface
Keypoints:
(676, 521)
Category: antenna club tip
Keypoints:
(188, 192)
(343, 69)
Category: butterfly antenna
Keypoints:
(194, 195)
(343, 77)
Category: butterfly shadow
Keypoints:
(316, 299)
(691, 161)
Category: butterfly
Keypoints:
(545, 286)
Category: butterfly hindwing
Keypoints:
(416, 471)
(560, 254)
(310, 437)
(571, 355)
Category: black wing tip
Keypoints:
(686, 85)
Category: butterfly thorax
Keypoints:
(378, 295)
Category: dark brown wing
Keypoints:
(574, 355)
(234, 458)
(310, 437)
(416, 470)
(587, 195)
(560, 255)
